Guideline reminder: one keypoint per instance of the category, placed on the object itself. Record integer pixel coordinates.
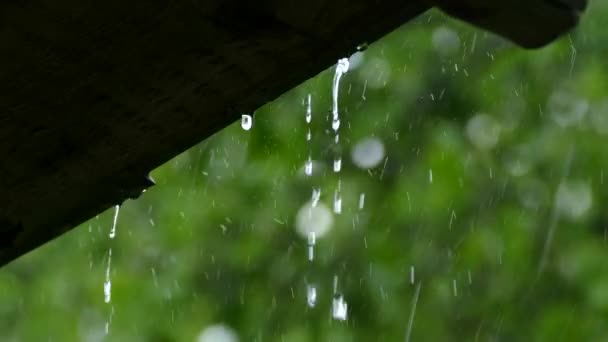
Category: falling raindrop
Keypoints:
(412, 275)
(316, 196)
(114, 221)
(337, 202)
(361, 200)
(308, 167)
(335, 124)
(341, 69)
(308, 109)
(107, 285)
(246, 122)
(339, 309)
(337, 164)
(311, 295)
(311, 245)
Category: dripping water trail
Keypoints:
(339, 305)
(308, 171)
(341, 68)
(311, 290)
(107, 285)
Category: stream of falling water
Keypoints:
(339, 309)
(341, 68)
(311, 290)
(107, 285)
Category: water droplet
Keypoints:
(335, 124)
(339, 309)
(107, 285)
(342, 66)
(246, 122)
(312, 240)
(308, 109)
(311, 295)
(337, 202)
(316, 196)
(308, 167)
(114, 221)
(361, 201)
(341, 69)
(412, 275)
(107, 291)
(337, 165)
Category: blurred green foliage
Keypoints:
(490, 197)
